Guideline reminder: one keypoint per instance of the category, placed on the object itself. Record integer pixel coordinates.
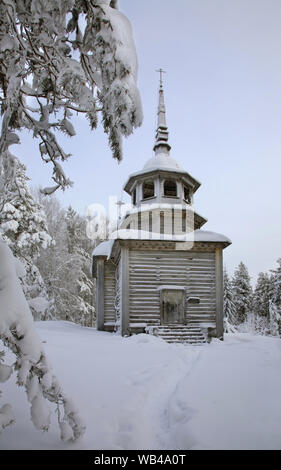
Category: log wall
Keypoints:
(193, 270)
(109, 293)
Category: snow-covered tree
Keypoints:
(56, 57)
(228, 304)
(60, 56)
(242, 291)
(33, 370)
(274, 319)
(79, 283)
(275, 304)
(276, 294)
(261, 303)
(262, 295)
(23, 227)
(66, 264)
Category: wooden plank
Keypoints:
(109, 292)
(100, 294)
(150, 269)
(124, 290)
(219, 293)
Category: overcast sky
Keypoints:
(223, 100)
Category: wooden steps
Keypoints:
(190, 333)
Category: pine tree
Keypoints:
(228, 304)
(23, 227)
(80, 262)
(261, 303)
(274, 319)
(262, 294)
(275, 304)
(66, 265)
(242, 292)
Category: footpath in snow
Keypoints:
(142, 393)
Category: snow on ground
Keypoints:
(142, 393)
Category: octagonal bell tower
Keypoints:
(162, 193)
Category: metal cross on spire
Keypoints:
(161, 71)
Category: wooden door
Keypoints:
(172, 306)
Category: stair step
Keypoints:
(198, 330)
(191, 333)
(186, 342)
(181, 334)
(180, 330)
(182, 339)
(171, 335)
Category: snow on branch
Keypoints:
(59, 56)
(33, 371)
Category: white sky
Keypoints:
(223, 100)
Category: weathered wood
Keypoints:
(155, 245)
(151, 269)
(100, 294)
(219, 293)
(170, 220)
(109, 292)
(124, 272)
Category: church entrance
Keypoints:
(172, 305)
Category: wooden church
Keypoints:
(160, 273)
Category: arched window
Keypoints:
(148, 189)
(187, 196)
(170, 188)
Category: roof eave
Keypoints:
(128, 186)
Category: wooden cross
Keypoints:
(119, 204)
(161, 71)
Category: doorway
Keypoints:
(172, 305)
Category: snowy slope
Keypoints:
(141, 393)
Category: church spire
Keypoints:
(161, 142)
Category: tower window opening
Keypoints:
(170, 188)
(139, 221)
(183, 215)
(148, 189)
(134, 197)
(150, 221)
(187, 196)
(161, 222)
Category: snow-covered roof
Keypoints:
(196, 236)
(151, 206)
(105, 248)
(159, 164)
(162, 161)
(206, 236)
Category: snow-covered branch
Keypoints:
(33, 371)
(67, 66)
